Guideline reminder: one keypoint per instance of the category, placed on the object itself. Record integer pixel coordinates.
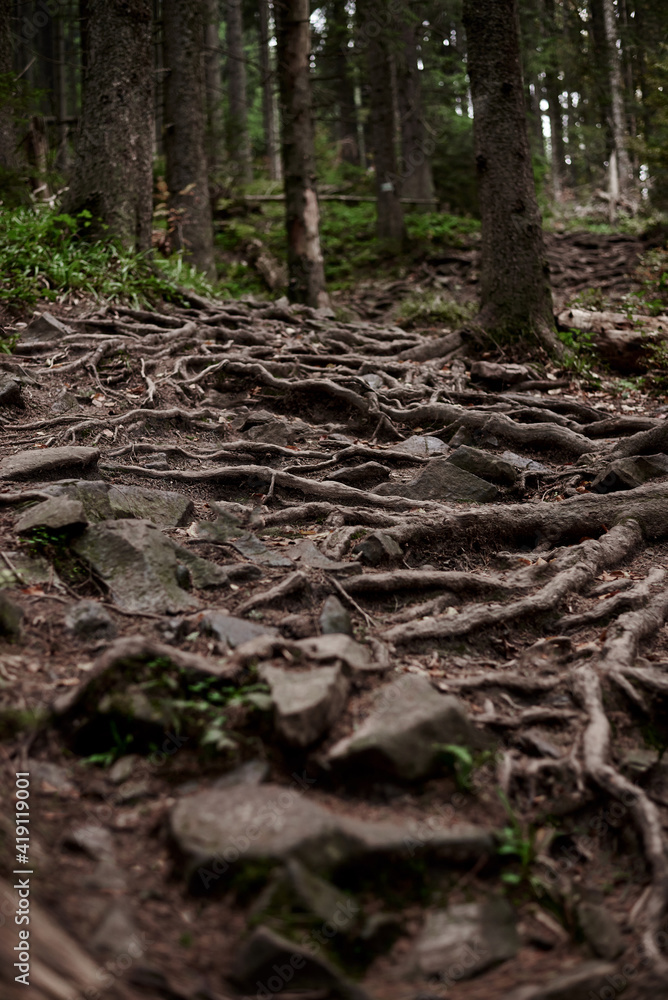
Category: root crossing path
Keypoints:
(336, 657)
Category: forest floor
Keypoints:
(335, 650)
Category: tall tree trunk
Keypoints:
(62, 159)
(302, 217)
(8, 157)
(338, 38)
(159, 64)
(272, 146)
(214, 87)
(416, 176)
(552, 89)
(238, 142)
(112, 176)
(622, 185)
(378, 43)
(186, 175)
(515, 293)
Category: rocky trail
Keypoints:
(336, 656)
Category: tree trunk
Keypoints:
(214, 87)
(515, 293)
(62, 159)
(622, 185)
(552, 89)
(112, 176)
(390, 225)
(302, 218)
(8, 157)
(238, 142)
(272, 145)
(338, 37)
(159, 64)
(416, 147)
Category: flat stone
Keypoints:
(93, 839)
(89, 620)
(11, 617)
(484, 465)
(31, 569)
(44, 327)
(338, 647)
(116, 933)
(102, 501)
(440, 480)
(137, 563)
(576, 984)
(123, 768)
(266, 957)
(10, 391)
(308, 554)
(204, 574)
(64, 402)
(217, 832)
(251, 772)
(520, 462)
(233, 631)
(378, 547)
(492, 373)
(225, 526)
(629, 473)
(48, 779)
(408, 720)
(423, 446)
(253, 549)
(334, 617)
(306, 703)
(466, 939)
(361, 476)
(40, 462)
(600, 929)
(58, 513)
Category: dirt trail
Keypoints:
(373, 645)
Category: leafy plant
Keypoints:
(517, 840)
(465, 763)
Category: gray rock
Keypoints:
(225, 526)
(31, 569)
(219, 832)
(422, 445)
(233, 631)
(157, 461)
(58, 513)
(600, 930)
(306, 703)
(520, 462)
(251, 772)
(11, 617)
(89, 620)
(440, 480)
(123, 768)
(495, 374)
(45, 462)
(466, 939)
(576, 984)
(49, 779)
(338, 648)
(275, 963)
(116, 934)
(308, 554)
(628, 473)
(137, 563)
(45, 327)
(64, 402)
(193, 571)
(102, 501)
(334, 617)
(378, 547)
(484, 465)
(400, 737)
(10, 391)
(361, 476)
(93, 839)
(253, 549)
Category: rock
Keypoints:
(306, 703)
(116, 934)
(122, 769)
(45, 327)
(48, 778)
(378, 547)
(31, 569)
(219, 833)
(334, 617)
(361, 476)
(520, 462)
(269, 963)
(628, 473)
(251, 772)
(600, 930)
(225, 526)
(338, 647)
(467, 938)
(89, 620)
(193, 571)
(64, 402)
(137, 563)
(93, 839)
(440, 480)
(57, 514)
(484, 465)
(400, 736)
(308, 554)
(10, 391)
(11, 617)
(233, 631)
(320, 897)
(422, 445)
(44, 462)
(157, 461)
(495, 374)
(102, 501)
(577, 984)
(253, 549)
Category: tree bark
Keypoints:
(516, 300)
(302, 218)
(272, 146)
(238, 142)
(338, 37)
(112, 174)
(375, 37)
(62, 159)
(186, 176)
(621, 185)
(416, 175)
(8, 158)
(552, 88)
(214, 87)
